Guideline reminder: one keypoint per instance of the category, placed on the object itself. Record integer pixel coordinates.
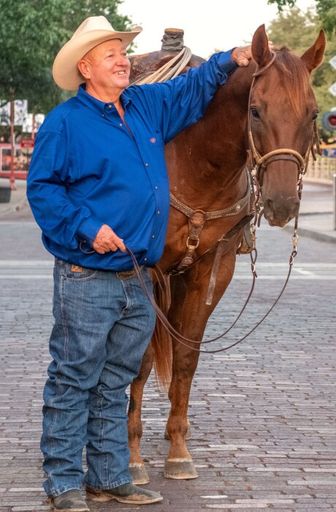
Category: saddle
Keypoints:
(167, 59)
(173, 59)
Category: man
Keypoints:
(97, 183)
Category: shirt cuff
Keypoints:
(225, 65)
(88, 229)
(226, 62)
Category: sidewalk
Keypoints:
(18, 201)
(315, 221)
(316, 218)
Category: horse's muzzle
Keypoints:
(280, 212)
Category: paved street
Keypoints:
(262, 415)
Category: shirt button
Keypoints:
(120, 124)
(153, 236)
(145, 259)
(103, 115)
(156, 187)
(146, 164)
(158, 212)
(109, 106)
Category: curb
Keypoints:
(314, 235)
(306, 214)
(318, 181)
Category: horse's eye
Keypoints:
(255, 113)
(315, 114)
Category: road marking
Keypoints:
(315, 271)
(25, 263)
(26, 276)
(238, 278)
(304, 272)
(246, 264)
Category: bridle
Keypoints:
(259, 163)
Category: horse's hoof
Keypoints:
(138, 473)
(180, 469)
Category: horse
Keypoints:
(263, 116)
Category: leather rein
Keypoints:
(197, 219)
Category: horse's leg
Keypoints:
(189, 314)
(137, 467)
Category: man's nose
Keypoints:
(123, 60)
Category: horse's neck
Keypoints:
(210, 156)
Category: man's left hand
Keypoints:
(242, 55)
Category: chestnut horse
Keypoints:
(207, 171)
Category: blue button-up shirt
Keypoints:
(89, 167)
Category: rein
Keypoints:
(259, 165)
(187, 342)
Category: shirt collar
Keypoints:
(98, 105)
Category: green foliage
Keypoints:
(326, 10)
(298, 31)
(282, 3)
(294, 29)
(31, 33)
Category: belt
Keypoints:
(123, 274)
(128, 273)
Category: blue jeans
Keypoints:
(103, 324)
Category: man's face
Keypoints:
(107, 66)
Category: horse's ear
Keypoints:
(260, 49)
(313, 57)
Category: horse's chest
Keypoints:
(181, 237)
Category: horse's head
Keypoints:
(282, 113)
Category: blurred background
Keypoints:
(32, 32)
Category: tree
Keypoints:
(31, 33)
(294, 29)
(326, 10)
(298, 30)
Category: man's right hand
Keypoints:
(106, 241)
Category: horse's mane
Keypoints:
(296, 77)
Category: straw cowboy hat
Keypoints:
(93, 31)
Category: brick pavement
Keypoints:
(262, 415)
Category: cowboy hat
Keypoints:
(91, 32)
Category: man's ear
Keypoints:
(84, 68)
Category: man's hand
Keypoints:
(106, 241)
(242, 55)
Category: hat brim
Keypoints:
(65, 71)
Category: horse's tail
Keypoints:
(161, 341)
